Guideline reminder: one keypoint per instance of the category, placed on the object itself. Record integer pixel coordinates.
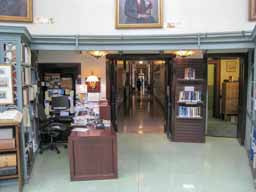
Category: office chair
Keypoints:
(50, 130)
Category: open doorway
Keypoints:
(142, 111)
(224, 91)
(138, 96)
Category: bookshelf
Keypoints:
(19, 56)
(10, 155)
(30, 122)
(54, 85)
(189, 94)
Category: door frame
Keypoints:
(216, 95)
(111, 82)
(243, 83)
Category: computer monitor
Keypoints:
(60, 103)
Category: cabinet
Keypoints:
(230, 95)
(189, 96)
(92, 155)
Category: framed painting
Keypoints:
(231, 66)
(6, 85)
(252, 10)
(16, 10)
(139, 14)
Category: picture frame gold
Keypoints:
(14, 18)
(6, 88)
(252, 10)
(231, 66)
(122, 25)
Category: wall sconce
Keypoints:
(97, 54)
(92, 81)
(184, 53)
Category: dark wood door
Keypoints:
(168, 98)
(111, 90)
(243, 82)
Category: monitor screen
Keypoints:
(60, 102)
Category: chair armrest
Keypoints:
(61, 125)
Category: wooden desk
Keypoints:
(92, 155)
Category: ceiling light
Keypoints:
(97, 54)
(140, 62)
(184, 53)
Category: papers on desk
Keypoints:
(10, 116)
(80, 129)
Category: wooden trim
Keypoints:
(140, 56)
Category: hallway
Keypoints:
(142, 115)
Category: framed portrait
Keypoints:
(139, 14)
(231, 66)
(6, 85)
(16, 10)
(252, 10)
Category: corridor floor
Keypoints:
(142, 115)
(151, 163)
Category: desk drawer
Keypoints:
(8, 160)
(7, 144)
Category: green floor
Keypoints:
(150, 163)
(221, 128)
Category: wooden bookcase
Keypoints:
(16, 151)
(189, 113)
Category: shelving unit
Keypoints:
(15, 151)
(189, 96)
(57, 84)
(12, 53)
(30, 101)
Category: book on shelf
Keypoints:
(25, 97)
(190, 96)
(189, 112)
(27, 76)
(27, 56)
(26, 117)
(10, 116)
(10, 53)
(6, 171)
(189, 73)
(8, 160)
